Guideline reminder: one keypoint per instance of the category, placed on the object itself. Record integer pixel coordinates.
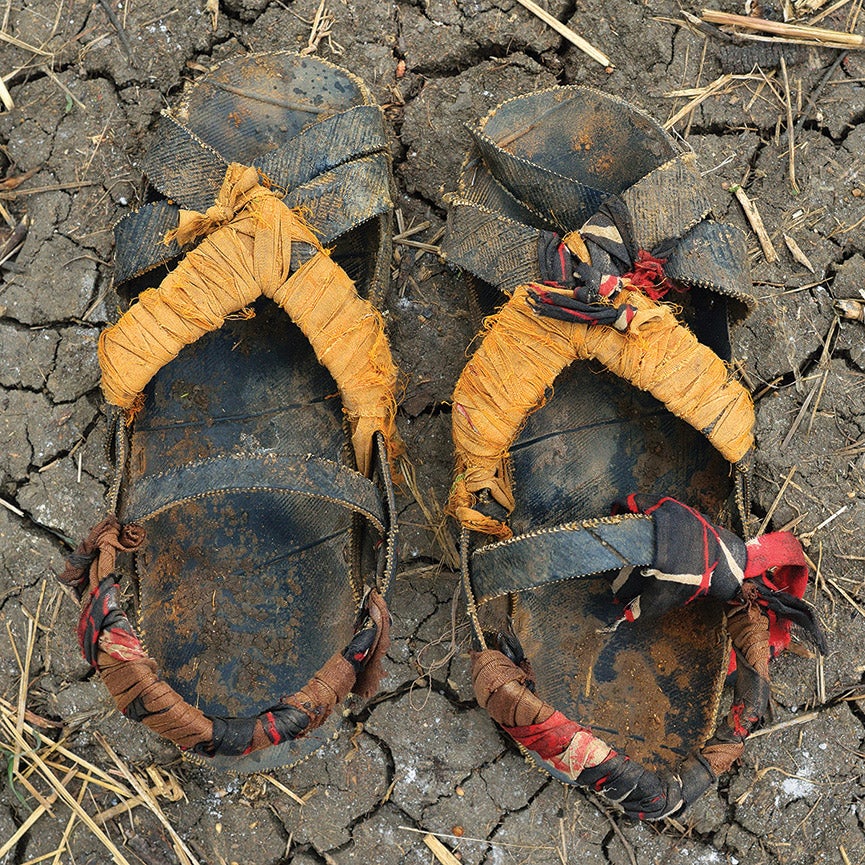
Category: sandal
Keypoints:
(549, 431)
(254, 482)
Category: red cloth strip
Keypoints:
(783, 552)
(648, 275)
(777, 559)
(549, 738)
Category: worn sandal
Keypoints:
(253, 480)
(584, 388)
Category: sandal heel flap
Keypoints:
(331, 162)
(549, 160)
(249, 105)
(598, 140)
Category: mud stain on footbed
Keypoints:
(640, 687)
(239, 617)
(640, 684)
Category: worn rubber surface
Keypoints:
(255, 558)
(547, 160)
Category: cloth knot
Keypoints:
(218, 213)
(131, 537)
(750, 593)
(98, 551)
(240, 186)
(648, 275)
(462, 501)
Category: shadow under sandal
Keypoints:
(254, 485)
(586, 386)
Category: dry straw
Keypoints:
(48, 777)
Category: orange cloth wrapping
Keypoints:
(520, 357)
(247, 254)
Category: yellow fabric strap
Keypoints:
(246, 254)
(519, 359)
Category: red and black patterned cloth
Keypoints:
(582, 291)
(695, 558)
(110, 645)
(104, 623)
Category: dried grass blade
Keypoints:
(845, 595)
(282, 788)
(116, 810)
(70, 823)
(25, 783)
(37, 812)
(54, 187)
(185, 855)
(66, 91)
(777, 500)
(826, 12)
(709, 90)
(6, 96)
(24, 683)
(564, 30)
(791, 145)
(69, 799)
(10, 507)
(796, 252)
(490, 843)
(816, 35)
(7, 718)
(784, 725)
(439, 850)
(410, 232)
(756, 223)
(6, 37)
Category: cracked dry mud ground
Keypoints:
(422, 755)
